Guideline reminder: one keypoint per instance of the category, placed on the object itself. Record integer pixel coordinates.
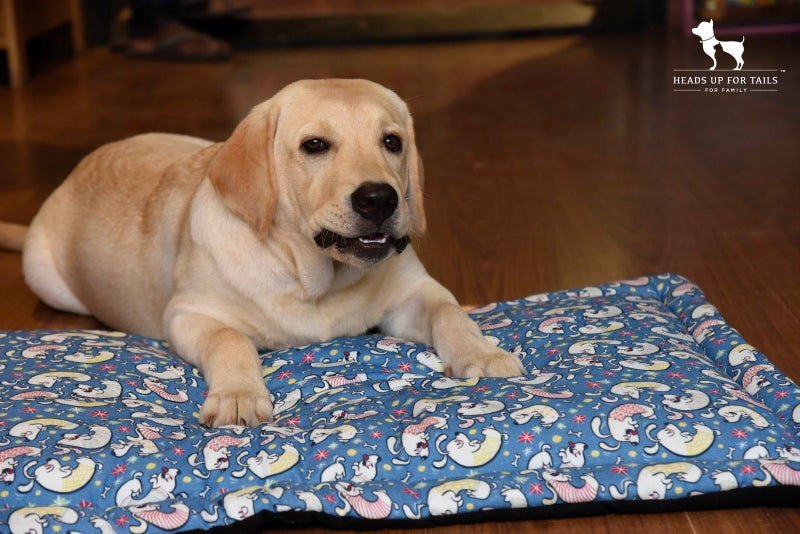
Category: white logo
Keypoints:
(705, 31)
(738, 80)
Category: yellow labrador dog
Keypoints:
(294, 230)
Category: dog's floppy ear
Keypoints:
(243, 171)
(416, 179)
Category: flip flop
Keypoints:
(176, 42)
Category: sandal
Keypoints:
(176, 42)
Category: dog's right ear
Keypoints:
(243, 171)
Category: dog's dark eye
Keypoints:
(315, 146)
(392, 143)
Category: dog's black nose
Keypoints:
(374, 201)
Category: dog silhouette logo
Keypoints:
(705, 31)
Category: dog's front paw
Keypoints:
(236, 406)
(489, 362)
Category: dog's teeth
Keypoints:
(373, 239)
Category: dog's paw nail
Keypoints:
(237, 407)
(496, 363)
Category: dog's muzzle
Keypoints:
(375, 203)
(373, 247)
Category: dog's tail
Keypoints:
(742, 39)
(12, 236)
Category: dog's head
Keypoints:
(334, 160)
(705, 29)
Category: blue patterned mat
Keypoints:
(638, 391)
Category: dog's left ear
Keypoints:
(416, 179)
(243, 171)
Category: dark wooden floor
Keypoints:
(551, 163)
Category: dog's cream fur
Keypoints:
(212, 245)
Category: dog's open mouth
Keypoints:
(370, 247)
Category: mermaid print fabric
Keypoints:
(636, 391)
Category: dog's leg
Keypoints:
(432, 316)
(230, 365)
(712, 53)
(43, 275)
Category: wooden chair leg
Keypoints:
(78, 26)
(15, 45)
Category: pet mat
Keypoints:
(638, 396)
